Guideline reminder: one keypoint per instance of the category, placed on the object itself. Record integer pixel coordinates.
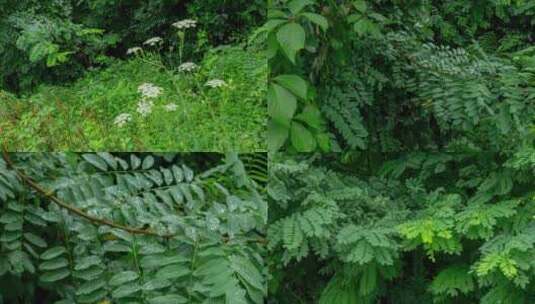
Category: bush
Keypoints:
(399, 75)
(402, 228)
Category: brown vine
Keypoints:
(49, 195)
(94, 220)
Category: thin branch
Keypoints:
(94, 220)
(49, 194)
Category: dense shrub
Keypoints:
(430, 105)
(399, 75)
(402, 228)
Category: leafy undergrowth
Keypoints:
(188, 114)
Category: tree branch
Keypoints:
(94, 220)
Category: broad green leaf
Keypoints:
(301, 138)
(311, 115)
(53, 252)
(10, 236)
(55, 275)
(34, 239)
(9, 218)
(172, 272)
(148, 162)
(277, 135)
(168, 176)
(125, 290)
(109, 159)
(296, 6)
(188, 173)
(317, 19)
(291, 38)
(135, 162)
(90, 273)
(177, 173)
(96, 161)
(360, 5)
(281, 104)
(272, 46)
(276, 13)
(294, 84)
(56, 263)
(270, 25)
(87, 262)
(15, 206)
(123, 277)
(15, 226)
(90, 286)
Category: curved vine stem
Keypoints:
(49, 194)
(94, 220)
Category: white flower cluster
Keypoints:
(153, 41)
(215, 83)
(144, 107)
(185, 24)
(171, 107)
(149, 90)
(122, 119)
(134, 50)
(187, 67)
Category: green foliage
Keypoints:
(55, 41)
(73, 67)
(402, 227)
(397, 75)
(452, 281)
(200, 240)
(205, 119)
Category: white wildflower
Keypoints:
(185, 24)
(134, 50)
(122, 119)
(187, 67)
(170, 107)
(215, 83)
(144, 107)
(149, 90)
(153, 41)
